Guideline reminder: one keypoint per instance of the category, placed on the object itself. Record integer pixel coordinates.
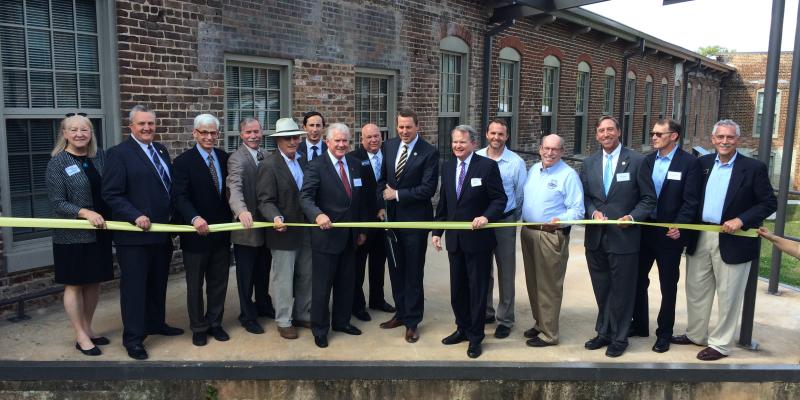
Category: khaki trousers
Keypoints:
(705, 273)
(545, 257)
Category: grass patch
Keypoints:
(790, 266)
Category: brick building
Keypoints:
(356, 61)
(744, 102)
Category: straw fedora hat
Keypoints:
(287, 127)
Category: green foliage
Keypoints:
(710, 51)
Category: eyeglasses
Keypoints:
(74, 114)
(207, 133)
(660, 134)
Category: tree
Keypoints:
(710, 51)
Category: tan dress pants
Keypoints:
(545, 257)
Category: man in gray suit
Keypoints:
(253, 258)
(280, 177)
(615, 187)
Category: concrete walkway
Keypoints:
(48, 336)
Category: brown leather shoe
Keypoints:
(288, 333)
(391, 324)
(412, 335)
(682, 339)
(709, 354)
(301, 324)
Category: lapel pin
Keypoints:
(623, 163)
(415, 153)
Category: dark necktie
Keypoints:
(401, 163)
(345, 181)
(160, 168)
(314, 152)
(461, 176)
(213, 171)
(259, 156)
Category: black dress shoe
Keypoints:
(682, 339)
(94, 351)
(348, 329)
(253, 327)
(616, 349)
(455, 338)
(490, 320)
(137, 352)
(596, 343)
(385, 307)
(167, 330)
(502, 332)
(199, 338)
(661, 346)
(100, 341)
(219, 334)
(412, 335)
(538, 342)
(362, 315)
(474, 350)
(531, 333)
(321, 341)
(267, 313)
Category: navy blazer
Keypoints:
(417, 185)
(749, 197)
(481, 195)
(302, 149)
(197, 195)
(323, 193)
(370, 183)
(679, 196)
(634, 196)
(132, 188)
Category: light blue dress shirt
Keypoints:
(554, 192)
(660, 169)
(375, 161)
(294, 168)
(513, 173)
(205, 155)
(716, 189)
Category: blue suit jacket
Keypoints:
(132, 188)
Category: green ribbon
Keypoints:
(54, 223)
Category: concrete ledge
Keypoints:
(385, 370)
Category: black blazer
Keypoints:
(323, 193)
(196, 195)
(370, 183)
(132, 188)
(302, 149)
(417, 185)
(679, 197)
(484, 198)
(634, 196)
(749, 197)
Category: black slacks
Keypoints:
(668, 260)
(332, 273)
(212, 267)
(253, 266)
(614, 283)
(469, 284)
(143, 289)
(374, 250)
(407, 275)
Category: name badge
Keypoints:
(623, 176)
(674, 175)
(72, 170)
(357, 182)
(365, 163)
(475, 182)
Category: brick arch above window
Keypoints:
(611, 64)
(552, 51)
(512, 42)
(457, 30)
(584, 58)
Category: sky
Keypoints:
(741, 25)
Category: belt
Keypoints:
(565, 229)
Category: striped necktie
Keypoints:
(401, 164)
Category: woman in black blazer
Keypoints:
(82, 258)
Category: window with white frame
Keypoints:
(608, 91)
(452, 90)
(582, 84)
(549, 109)
(648, 104)
(760, 113)
(630, 102)
(55, 60)
(375, 101)
(662, 105)
(255, 88)
(508, 91)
